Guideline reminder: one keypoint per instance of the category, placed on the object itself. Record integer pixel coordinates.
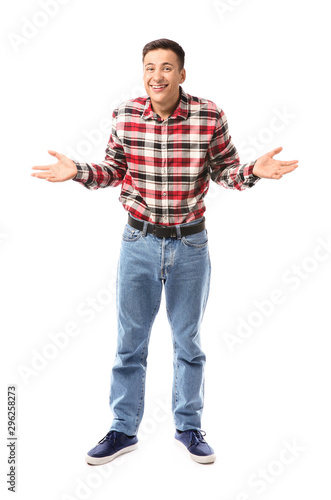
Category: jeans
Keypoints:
(182, 266)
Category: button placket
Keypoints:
(164, 169)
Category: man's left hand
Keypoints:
(268, 168)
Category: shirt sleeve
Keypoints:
(223, 157)
(109, 172)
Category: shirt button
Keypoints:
(164, 194)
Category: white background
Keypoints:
(59, 246)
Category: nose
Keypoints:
(157, 77)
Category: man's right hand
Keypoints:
(64, 170)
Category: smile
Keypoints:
(158, 88)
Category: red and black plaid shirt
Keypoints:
(165, 166)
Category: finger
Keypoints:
(288, 163)
(289, 169)
(275, 151)
(40, 175)
(279, 172)
(42, 167)
(54, 153)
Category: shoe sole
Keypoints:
(207, 459)
(104, 460)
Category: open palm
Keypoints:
(63, 170)
(268, 168)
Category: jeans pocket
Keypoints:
(130, 233)
(197, 240)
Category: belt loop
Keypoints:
(144, 230)
(178, 231)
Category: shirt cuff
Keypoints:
(248, 173)
(82, 172)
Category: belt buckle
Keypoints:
(161, 228)
(155, 228)
(173, 232)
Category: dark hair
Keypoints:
(164, 43)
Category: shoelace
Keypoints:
(110, 436)
(197, 437)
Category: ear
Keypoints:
(182, 75)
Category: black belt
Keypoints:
(167, 231)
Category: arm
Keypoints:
(223, 158)
(110, 172)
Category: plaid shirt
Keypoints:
(165, 166)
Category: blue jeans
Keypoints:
(146, 263)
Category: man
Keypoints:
(164, 149)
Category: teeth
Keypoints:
(158, 86)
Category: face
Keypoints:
(162, 76)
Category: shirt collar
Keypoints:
(181, 110)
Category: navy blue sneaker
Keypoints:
(194, 442)
(111, 446)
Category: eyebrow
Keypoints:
(163, 64)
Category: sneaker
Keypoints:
(194, 442)
(111, 446)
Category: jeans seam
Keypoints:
(175, 356)
(141, 358)
(208, 287)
